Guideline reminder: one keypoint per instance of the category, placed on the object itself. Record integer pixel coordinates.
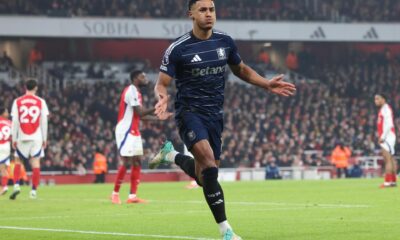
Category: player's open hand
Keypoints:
(161, 107)
(279, 87)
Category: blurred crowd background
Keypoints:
(274, 10)
(333, 105)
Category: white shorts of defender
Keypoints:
(389, 144)
(129, 145)
(5, 152)
(29, 149)
(5, 156)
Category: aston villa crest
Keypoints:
(221, 53)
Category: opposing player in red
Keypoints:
(387, 140)
(5, 147)
(128, 138)
(29, 134)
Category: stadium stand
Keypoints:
(298, 131)
(271, 10)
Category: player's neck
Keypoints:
(202, 34)
(30, 93)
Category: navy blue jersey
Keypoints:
(199, 68)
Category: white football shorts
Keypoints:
(29, 149)
(389, 144)
(129, 145)
(5, 151)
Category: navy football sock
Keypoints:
(214, 194)
(186, 163)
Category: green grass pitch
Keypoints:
(275, 210)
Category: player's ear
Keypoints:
(190, 14)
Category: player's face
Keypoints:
(379, 101)
(143, 79)
(203, 14)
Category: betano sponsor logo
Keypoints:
(200, 72)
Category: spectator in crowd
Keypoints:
(291, 61)
(99, 166)
(337, 106)
(263, 57)
(6, 62)
(356, 171)
(272, 171)
(35, 56)
(340, 159)
(272, 10)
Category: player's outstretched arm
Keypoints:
(160, 90)
(275, 85)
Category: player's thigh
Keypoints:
(203, 155)
(191, 129)
(215, 129)
(131, 146)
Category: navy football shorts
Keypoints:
(194, 127)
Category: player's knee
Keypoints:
(35, 163)
(209, 175)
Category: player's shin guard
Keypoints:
(135, 178)
(120, 178)
(35, 178)
(186, 163)
(214, 194)
(17, 173)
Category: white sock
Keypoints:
(224, 226)
(16, 186)
(171, 156)
(115, 193)
(132, 196)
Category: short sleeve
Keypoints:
(168, 64)
(132, 97)
(234, 57)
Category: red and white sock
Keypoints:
(119, 179)
(35, 178)
(393, 177)
(135, 179)
(17, 173)
(388, 179)
(4, 181)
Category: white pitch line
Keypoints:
(274, 204)
(103, 233)
(242, 203)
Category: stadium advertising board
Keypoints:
(170, 29)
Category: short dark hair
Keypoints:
(383, 95)
(191, 3)
(30, 84)
(134, 74)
